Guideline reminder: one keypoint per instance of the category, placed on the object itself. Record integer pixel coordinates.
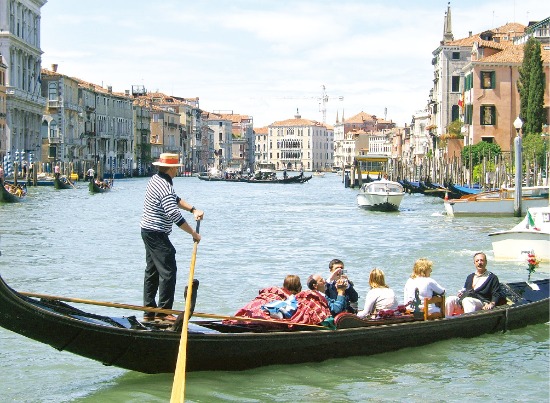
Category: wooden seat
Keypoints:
(438, 301)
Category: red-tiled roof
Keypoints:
(360, 118)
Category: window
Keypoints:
(454, 113)
(456, 55)
(53, 129)
(487, 115)
(455, 84)
(52, 91)
(488, 79)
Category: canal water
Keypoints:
(76, 244)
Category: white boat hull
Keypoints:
(498, 203)
(532, 234)
(380, 202)
(381, 195)
(515, 245)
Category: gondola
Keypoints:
(95, 188)
(288, 180)
(12, 197)
(126, 342)
(62, 183)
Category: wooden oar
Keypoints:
(178, 387)
(158, 310)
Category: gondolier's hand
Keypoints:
(198, 214)
(196, 237)
(488, 306)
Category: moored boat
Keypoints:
(498, 202)
(531, 235)
(382, 195)
(126, 342)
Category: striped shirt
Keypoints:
(160, 208)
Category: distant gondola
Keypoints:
(100, 187)
(62, 183)
(12, 196)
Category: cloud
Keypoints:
(267, 58)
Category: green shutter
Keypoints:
(481, 115)
(493, 80)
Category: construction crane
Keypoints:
(323, 99)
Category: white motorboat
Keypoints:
(319, 174)
(532, 235)
(382, 195)
(498, 202)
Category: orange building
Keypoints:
(491, 97)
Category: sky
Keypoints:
(269, 58)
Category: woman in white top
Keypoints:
(427, 286)
(379, 297)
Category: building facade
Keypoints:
(298, 144)
(3, 110)
(20, 50)
(85, 125)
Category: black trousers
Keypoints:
(160, 270)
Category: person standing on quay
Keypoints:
(160, 212)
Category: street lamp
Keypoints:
(517, 146)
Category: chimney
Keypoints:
(469, 33)
(109, 89)
(54, 68)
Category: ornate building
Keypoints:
(297, 143)
(20, 50)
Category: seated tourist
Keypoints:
(337, 271)
(292, 284)
(317, 283)
(481, 290)
(284, 309)
(379, 297)
(427, 286)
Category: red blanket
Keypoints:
(312, 307)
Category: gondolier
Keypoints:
(160, 212)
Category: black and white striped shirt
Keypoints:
(160, 208)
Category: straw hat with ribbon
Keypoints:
(168, 160)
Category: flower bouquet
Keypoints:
(532, 264)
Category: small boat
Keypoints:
(98, 186)
(465, 190)
(412, 186)
(319, 174)
(498, 202)
(382, 195)
(126, 342)
(531, 235)
(63, 182)
(10, 193)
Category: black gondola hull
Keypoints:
(155, 351)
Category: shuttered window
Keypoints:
(487, 115)
(488, 79)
